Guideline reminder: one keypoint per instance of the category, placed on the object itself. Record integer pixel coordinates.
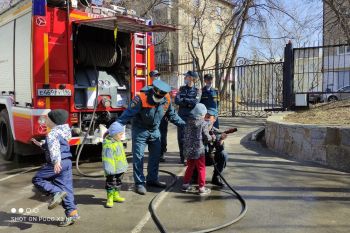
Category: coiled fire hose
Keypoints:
(234, 193)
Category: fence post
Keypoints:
(233, 89)
(288, 76)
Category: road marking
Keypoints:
(147, 217)
(20, 173)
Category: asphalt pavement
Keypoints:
(282, 195)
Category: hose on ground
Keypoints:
(162, 228)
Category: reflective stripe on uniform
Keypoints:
(167, 104)
(144, 102)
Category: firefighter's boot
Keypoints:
(117, 197)
(109, 202)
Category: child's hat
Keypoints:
(212, 112)
(198, 111)
(115, 128)
(58, 116)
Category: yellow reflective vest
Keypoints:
(113, 157)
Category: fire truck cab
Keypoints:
(82, 59)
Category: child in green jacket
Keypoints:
(114, 163)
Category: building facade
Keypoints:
(200, 24)
(336, 47)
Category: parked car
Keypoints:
(340, 94)
(314, 98)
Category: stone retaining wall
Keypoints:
(327, 145)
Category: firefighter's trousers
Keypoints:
(141, 138)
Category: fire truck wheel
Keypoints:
(6, 138)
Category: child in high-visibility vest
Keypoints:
(114, 163)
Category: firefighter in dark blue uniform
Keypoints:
(187, 97)
(146, 111)
(163, 127)
(210, 97)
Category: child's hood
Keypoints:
(63, 130)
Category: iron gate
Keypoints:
(258, 88)
(253, 88)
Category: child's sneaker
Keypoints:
(57, 199)
(186, 188)
(71, 219)
(203, 191)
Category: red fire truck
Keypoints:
(82, 60)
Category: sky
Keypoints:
(304, 34)
(307, 11)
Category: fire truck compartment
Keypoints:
(102, 58)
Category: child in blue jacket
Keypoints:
(55, 177)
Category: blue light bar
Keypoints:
(39, 7)
(97, 2)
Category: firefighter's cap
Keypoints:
(154, 73)
(162, 86)
(191, 73)
(208, 77)
(58, 116)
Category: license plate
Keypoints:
(54, 92)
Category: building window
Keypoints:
(343, 50)
(218, 29)
(192, 21)
(218, 11)
(168, 2)
(343, 78)
(220, 48)
(196, 3)
(195, 41)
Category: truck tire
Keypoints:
(6, 137)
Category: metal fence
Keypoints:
(258, 88)
(253, 88)
(322, 72)
(246, 89)
(172, 70)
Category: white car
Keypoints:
(340, 94)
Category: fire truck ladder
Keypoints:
(141, 59)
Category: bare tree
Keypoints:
(337, 16)
(245, 13)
